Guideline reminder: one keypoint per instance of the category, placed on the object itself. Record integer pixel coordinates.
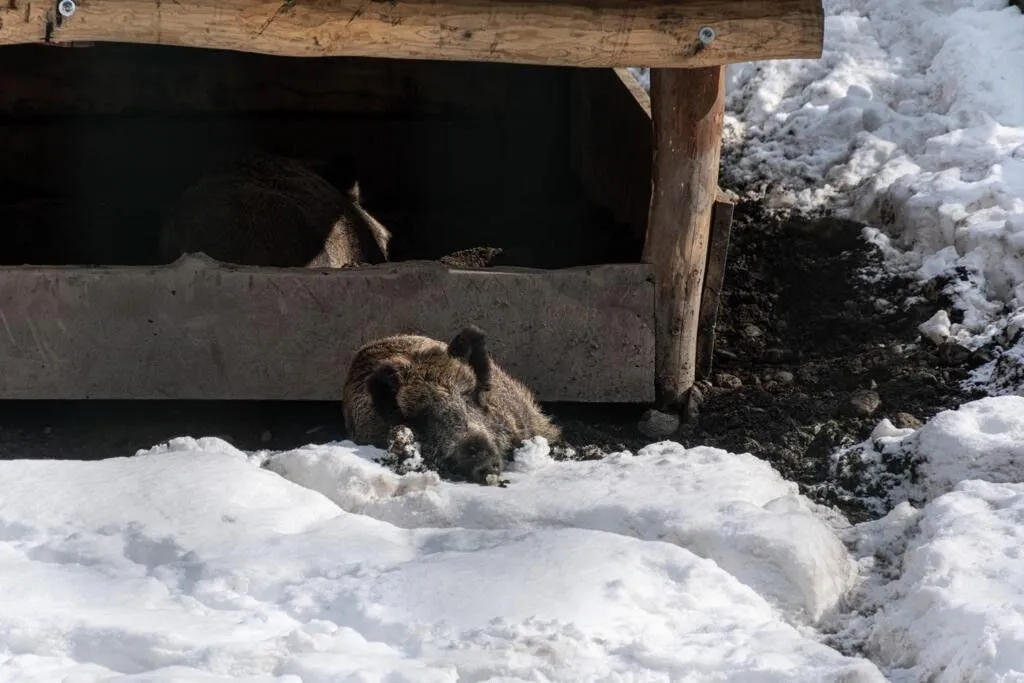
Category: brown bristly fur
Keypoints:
(429, 374)
(267, 210)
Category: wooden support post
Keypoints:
(687, 108)
(714, 276)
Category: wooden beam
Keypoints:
(714, 278)
(655, 33)
(201, 330)
(688, 107)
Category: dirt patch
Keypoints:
(810, 354)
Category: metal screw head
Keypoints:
(66, 7)
(706, 35)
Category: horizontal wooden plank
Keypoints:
(655, 33)
(112, 78)
(201, 330)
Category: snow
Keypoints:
(958, 607)
(756, 526)
(980, 440)
(937, 328)
(192, 562)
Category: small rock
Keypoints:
(906, 421)
(726, 380)
(770, 385)
(691, 407)
(863, 403)
(784, 377)
(752, 331)
(266, 436)
(593, 452)
(937, 328)
(654, 424)
(954, 354)
(726, 356)
(981, 356)
(773, 355)
(751, 446)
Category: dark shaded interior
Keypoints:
(97, 142)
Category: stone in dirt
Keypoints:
(954, 354)
(784, 377)
(656, 424)
(863, 403)
(903, 420)
(726, 380)
(692, 404)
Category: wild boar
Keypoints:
(467, 414)
(272, 211)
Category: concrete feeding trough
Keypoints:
(467, 123)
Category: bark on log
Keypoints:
(687, 107)
(655, 33)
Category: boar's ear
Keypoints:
(383, 386)
(470, 345)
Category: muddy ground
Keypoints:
(808, 358)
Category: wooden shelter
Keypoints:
(454, 113)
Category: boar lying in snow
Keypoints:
(467, 414)
(272, 211)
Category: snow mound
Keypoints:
(956, 615)
(734, 509)
(192, 562)
(982, 439)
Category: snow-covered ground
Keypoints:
(191, 562)
(196, 562)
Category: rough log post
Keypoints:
(687, 107)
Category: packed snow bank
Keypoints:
(190, 562)
(734, 509)
(982, 439)
(956, 614)
(912, 121)
(942, 595)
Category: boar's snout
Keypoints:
(476, 458)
